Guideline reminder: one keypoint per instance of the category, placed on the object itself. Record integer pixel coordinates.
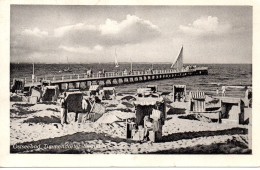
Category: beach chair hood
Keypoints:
(50, 93)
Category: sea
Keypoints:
(236, 75)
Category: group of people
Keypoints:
(89, 73)
(101, 73)
(153, 124)
(149, 128)
(223, 91)
(87, 106)
(179, 96)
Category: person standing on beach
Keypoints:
(157, 122)
(148, 126)
(86, 107)
(63, 109)
(217, 91)
(223, 91)
(246, 93)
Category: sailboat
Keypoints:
(66, 69)
(178, 62)
(116, 63)
(33, 76)
(131, 66)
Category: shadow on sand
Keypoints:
(191, 135)
(175, 111)
(62, 141)
(80, 137)
(230, 147)
(215, 148)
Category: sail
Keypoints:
(178, 63)
(116, 63)
(66, 69)
(131, 67)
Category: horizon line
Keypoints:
(120, 62)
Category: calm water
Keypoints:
(222, 74)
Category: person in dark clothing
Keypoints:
(63, 109)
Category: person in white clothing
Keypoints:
(63, 109)
(147, 126)
(223, 91)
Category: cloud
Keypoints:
(33, 40)
(131, 24)
(98, 48)
(80, 49)
(83, 38)
(132, 30)
(206, 26)
(35, 32)
(61, 31)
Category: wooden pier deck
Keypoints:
(81, 81)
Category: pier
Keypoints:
(84, 80)
(81, 81)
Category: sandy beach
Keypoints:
(36, 128)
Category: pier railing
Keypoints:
(103, 75)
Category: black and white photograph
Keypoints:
(120, 79)
(129, 84)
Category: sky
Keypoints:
(92, 34)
